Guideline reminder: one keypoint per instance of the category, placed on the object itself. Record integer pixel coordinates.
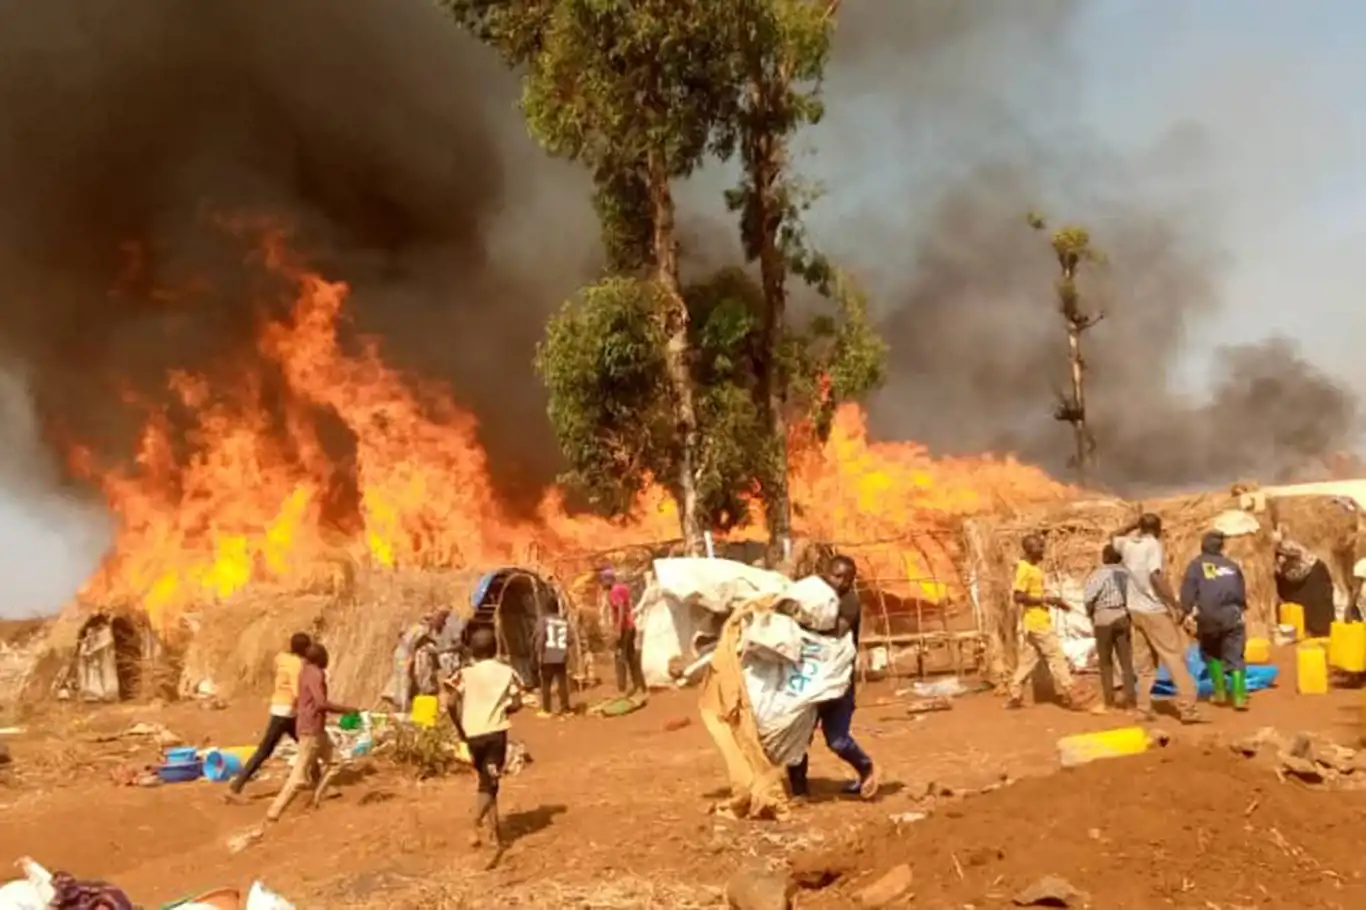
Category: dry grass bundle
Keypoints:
(359, 623)
(1076, 532)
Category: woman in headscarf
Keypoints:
(1302, 578)
(417, 660)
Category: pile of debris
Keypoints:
(1306, 757)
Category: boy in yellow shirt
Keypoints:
(1038, 641)
(283, 709)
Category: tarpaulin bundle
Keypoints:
(756, 783)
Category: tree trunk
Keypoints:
(676, 352)
(1078, 366)
(765, 154)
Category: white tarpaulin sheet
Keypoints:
(721, 585)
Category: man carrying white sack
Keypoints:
(836, 716)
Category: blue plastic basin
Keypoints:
(181, 773)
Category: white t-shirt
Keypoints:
(1142, 557)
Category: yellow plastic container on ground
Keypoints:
(1087, 747)
(241, 753)
(424, 710)
(1257, 651)
(1293, 615)
(1347, 647)
(1311, 670)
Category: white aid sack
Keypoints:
(815, 603)
(32, 892)
(785, 694)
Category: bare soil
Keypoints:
(613, 813)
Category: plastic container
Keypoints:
(1087, 747)
(1293, 615)
(424, 711)
(351, 722)
(221, 765)
(181, 773)
(1311, 670)
(181, 756)
(1257, 651)
(1347, 647)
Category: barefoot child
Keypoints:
(486, 692)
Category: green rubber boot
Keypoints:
(1216, 676)
(1240, 690)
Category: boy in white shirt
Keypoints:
(486, 693)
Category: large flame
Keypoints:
(244, 496)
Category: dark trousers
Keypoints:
(276, 730)
(559, 674)
(836, 719)
(628, 664)
(489, 753)
(1226, 645)
(1116, 642)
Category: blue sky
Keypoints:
(1277, 89)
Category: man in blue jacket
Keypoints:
(1214, 587)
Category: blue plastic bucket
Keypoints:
(181, 756)
(180, 773)
(221, 766)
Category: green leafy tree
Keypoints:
(639, 91)
(1072, 246)
(603, 363)
(783, 54)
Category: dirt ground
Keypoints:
(613, 813)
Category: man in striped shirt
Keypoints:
(1105, 598)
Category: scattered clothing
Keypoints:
(488, 689)
(70, 894)
(1142, 556)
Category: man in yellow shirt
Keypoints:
(284, 699)
(1038, 641)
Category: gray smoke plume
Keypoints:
(967, 114)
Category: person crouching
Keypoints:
(1214, 587)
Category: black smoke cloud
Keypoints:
(386, 138)
(390, 140)
(980, 102)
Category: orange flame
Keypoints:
(249, 501)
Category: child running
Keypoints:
(283, 707)
(486, 692)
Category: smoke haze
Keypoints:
(391, 142)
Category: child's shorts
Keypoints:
(489, 754)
